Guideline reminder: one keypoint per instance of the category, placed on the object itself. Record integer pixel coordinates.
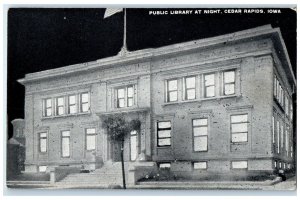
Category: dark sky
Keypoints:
(40, 39)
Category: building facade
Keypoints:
(210, 106)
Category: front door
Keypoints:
(116, 151)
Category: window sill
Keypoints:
(200, 100)
(239, 143)
(125, 108)
(68, 115)
(90, 150)
(163, 147)
(221, 97)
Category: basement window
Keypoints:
(202, 165)
(164, 165)
(42, 168)
(239, 164)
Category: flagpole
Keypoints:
(124, 38)
(124, 48)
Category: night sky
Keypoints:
(40, 39)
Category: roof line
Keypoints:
(145, 54)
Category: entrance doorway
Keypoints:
(116, 151)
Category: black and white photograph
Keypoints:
(195, 98)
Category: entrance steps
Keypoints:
(110, 174)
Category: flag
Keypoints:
(111, 11)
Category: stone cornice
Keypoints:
(171, 50)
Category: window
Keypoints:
(164, 133)
(282, 96)
(279, 93)
(284, 166)
(121, 98)
(239, 164)
(84, 102)
(239, 128)
(189, 88)
(279, 165)
(90, 139)
(209, 85)
(286, 105)
(130, 94)
(273, 129)
(72, 104)
(65, 144)
(164, 165)
(125, 97)
(291, 110)
(281, 136)
(42, 168)
(229, 82)
(291, 142)
(278, 139)
(172, 90)
(200, 134)
(133, 145)
(43, 142)
(200, 165)
(278, 89)
(287, 141)
(275, 87)
(275, 164)
(47, 107)
(60, 106)
(66, 105)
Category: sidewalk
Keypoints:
(275, 184)
(208, 185)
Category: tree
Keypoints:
(117, 129)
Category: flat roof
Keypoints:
(144, 54)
